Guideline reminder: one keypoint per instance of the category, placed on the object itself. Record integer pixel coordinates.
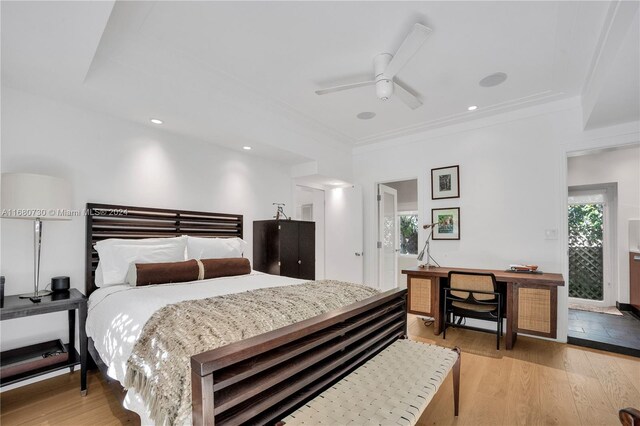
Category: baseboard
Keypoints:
(628, 307)
(624, 306)
(603, 346)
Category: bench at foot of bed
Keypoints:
(393, 388)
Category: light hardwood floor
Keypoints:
(538, 383)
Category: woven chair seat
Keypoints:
(474, 307)
(393, 388)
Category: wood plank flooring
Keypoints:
(538, 383)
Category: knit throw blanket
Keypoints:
(159, 366)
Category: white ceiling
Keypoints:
(619, 98)
(244, 73)
(407, 190)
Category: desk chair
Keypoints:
(472, 295)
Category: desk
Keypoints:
(531, 299)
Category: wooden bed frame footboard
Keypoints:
(261, 379)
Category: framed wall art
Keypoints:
(448, 223)
(445, 182)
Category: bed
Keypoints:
(255, 380)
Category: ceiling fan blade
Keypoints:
(345, 87)
(408, 48)
(406, 96)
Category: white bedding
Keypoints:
(118, 313)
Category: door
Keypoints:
(589, 248)
(387, 237)
(344, 234)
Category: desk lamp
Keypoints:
(427, 247)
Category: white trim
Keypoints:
(544, 96)
(619, 18)
(479, 123)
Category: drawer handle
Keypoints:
(636, 258)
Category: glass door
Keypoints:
(588, 251)
(388, 237)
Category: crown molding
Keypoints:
(619, 17)
(572, 103)
(523, 102)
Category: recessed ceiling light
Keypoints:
(156, 121)
(493, 79)
(473, 107)
(246, 148)
(366, 115)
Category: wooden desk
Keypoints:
(531, 299)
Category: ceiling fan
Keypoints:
(386, 66)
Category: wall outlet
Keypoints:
(550, 234)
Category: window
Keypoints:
(408, 233)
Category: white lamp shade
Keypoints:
(31, 196)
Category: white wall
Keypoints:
(305, 195)
(623, 167)
(113, 161)
(512, 185)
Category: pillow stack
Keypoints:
(118, 257)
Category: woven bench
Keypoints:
(393, 388)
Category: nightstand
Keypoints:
(15, 307)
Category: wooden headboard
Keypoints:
(113, 221)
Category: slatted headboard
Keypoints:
(113, 221)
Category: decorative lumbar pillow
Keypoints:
(214, 248)
(116, 260)
(215, 268)
(141, 274)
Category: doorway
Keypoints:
(603, 200)
(398, 225)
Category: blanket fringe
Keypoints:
(136, 379)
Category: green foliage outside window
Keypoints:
(586, 265)
(585, 225)
(409, 234)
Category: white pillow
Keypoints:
(115, 257)
(214, 248)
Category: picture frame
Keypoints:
(445, 182)
(448, 223)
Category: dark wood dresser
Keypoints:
(285, 247)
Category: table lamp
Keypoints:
(35, 197)
(427, 247)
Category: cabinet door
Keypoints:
(288, 241)
(421, 295)
(307, 250)
(536, 310)
(265, 247)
